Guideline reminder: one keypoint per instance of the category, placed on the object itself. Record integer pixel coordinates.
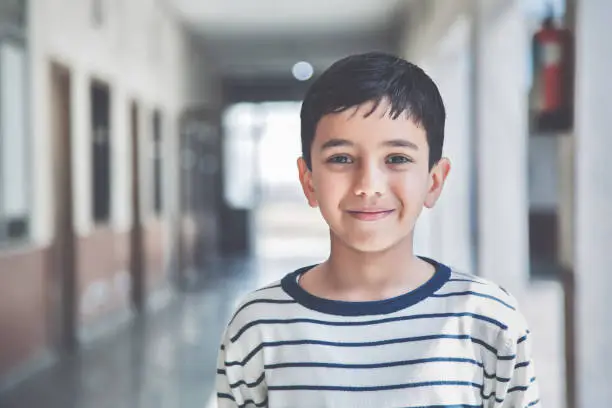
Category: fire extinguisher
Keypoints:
(552, 93)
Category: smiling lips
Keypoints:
(370, 214)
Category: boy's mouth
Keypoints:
(370, 215)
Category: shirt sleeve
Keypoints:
(514, 384)
(240, 380)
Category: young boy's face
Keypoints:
(370, 176)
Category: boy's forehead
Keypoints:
(371, 119)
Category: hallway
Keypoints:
(153, 142)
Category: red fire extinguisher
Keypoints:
(552, 93)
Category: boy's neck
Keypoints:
(352, 275)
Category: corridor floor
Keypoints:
(166, 360)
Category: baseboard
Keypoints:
(41, 361)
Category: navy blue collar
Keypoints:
(335, 307)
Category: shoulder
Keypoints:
(261, 305)
(481, 288)
(492, 302)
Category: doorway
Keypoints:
(63, 287)
(136, 232)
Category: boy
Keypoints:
(375, 325)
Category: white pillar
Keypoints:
(593, 200)
(451, 222)
(502, 150)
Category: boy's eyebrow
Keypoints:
(400, 143)
(335, 143)
(393, 143)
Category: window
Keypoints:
(14, 177)
(157, 163)
(100, 128)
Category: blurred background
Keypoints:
(148, 179)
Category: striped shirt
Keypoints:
(456, 341)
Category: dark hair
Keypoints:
(372, 77)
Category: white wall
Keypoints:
(593, 202)
(142, 52)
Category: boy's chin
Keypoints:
(374, 245)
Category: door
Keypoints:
(136, 233)
(199, 193)
(63, 287)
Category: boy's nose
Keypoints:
(370, 181)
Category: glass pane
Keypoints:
(239, 156)
(100, 115)
(13, 163)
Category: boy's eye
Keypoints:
(341, 159)
(398, 159)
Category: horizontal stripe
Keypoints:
(221, 371)
(364, 344)
(373, 388)
(389, 364)
(523, 364)
(493, 395)
(462, 275)
(365, 322)
(225, 396)
(491, 349)
(466, 280)
(478, 294)
(513, 389)
(374, 365)
(496, 378)
(522, 339)
(249, 385)
(264, 403)
(261, 404)
(532, 403)
(266, 301)
(274, 286)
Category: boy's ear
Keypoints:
(437, 177)
(306, 182)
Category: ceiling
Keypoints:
(264, 38)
